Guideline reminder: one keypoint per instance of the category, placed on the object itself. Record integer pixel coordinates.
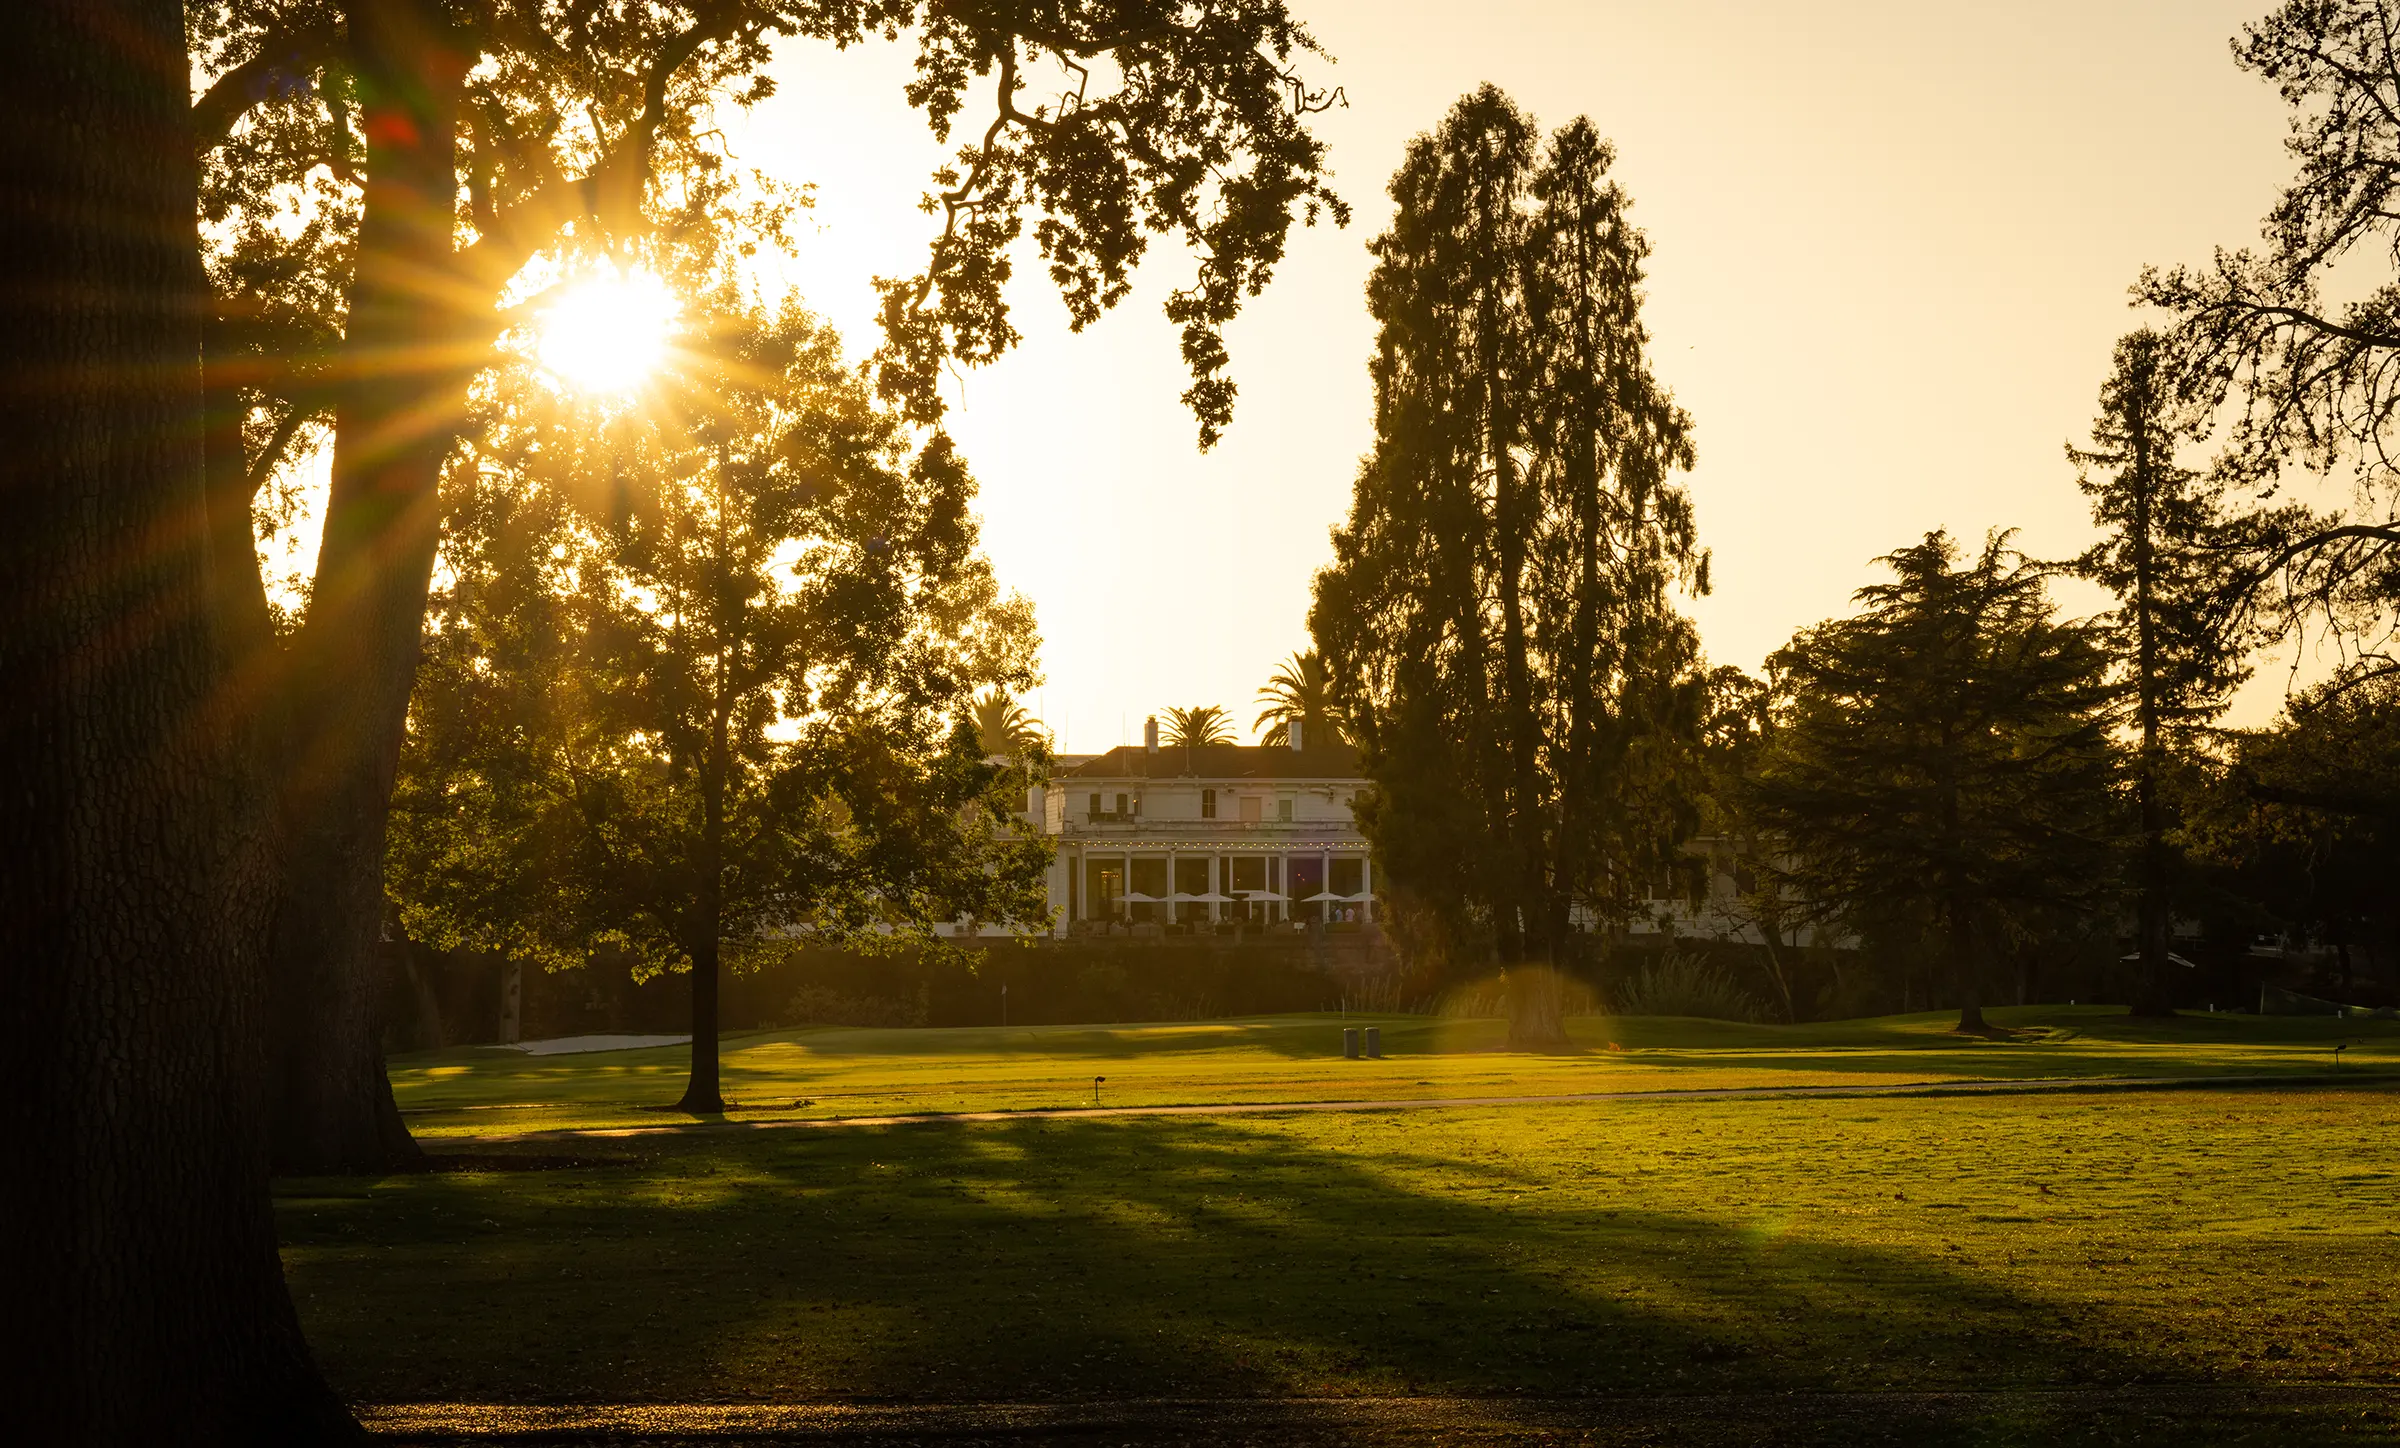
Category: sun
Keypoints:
(608, 332)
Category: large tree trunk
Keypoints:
(1966, 968)
(1537, 1018)
(703, 1094)
(146, 1300)
(404, 373)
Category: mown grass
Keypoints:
(2243, 1236)
(831, 1072)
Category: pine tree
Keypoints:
(2165, 558)
(1943, 759)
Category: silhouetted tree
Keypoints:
(1736, 737)
(2302, 821)
(146, 1301)
(1498, 620)
(776, 617)
(1943, 758)
(464, 142)
(2165, 557)
(2310, 383)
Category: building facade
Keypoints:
(1213, 837)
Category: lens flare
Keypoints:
(607, 333)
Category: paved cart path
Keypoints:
(2031, 1087)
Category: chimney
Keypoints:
(1150, 734)
(1292, 727)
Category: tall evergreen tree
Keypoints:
(2164, 556)
(1943, 759)
(1498, 622)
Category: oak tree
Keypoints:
(419, 156)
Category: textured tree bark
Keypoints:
(146, 1300)
(402, 390)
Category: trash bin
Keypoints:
(1350, 1043)
(1374, 1043)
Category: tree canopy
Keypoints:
(2307, 385)
(1941, 761)
(1499, 621)
(392, 185)
(724, 695)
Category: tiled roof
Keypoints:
(1219, 761)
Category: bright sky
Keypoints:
(1892, 244)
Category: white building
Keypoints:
(1192, 839)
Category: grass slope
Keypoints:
(847, 1072)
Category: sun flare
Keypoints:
(608, 332)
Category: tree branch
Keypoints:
(2384, 532)
(282, 55)
(2365, 806)
(2298, 317)
(518, 230)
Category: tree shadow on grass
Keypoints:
(1115, 1259)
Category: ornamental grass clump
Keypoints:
(1677, 984)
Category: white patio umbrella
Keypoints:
(1323, 895)
(1261, 895)
(1135, 897)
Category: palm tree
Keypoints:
(1205, 724)
(1300, 690)
(1001, 724)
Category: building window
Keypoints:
(1250, 812)
(1095, 806)
(1121, 805)
(1283, 810)
(1208, 804)
(1137, 803)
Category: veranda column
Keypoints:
(1325, 883)
(1366, 886)
(1214, 871)
(1172, 910)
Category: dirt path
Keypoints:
(2145, 1413)
(1434, 1103)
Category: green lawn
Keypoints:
(1751, 1246)
(2245, 1238)
(846, 1072)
